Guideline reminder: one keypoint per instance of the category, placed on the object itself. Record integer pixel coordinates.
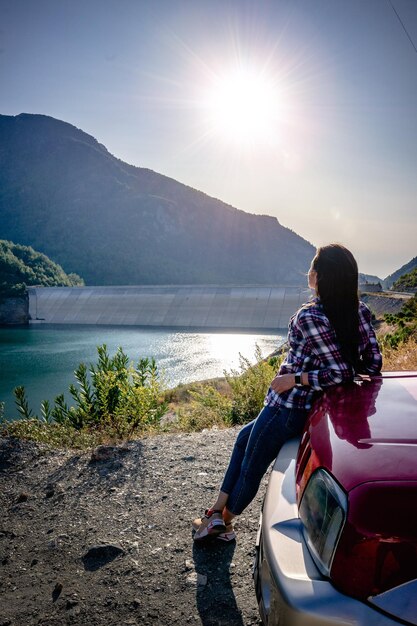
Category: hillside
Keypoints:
(405, 269)
(64, 194)
(407, 282)
(22, 266)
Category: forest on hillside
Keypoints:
(21, 267)
(407, 282)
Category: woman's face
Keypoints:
(312, 277)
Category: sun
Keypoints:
(243, 106)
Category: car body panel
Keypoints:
(290, 589)
(365, 436)
(367, 432)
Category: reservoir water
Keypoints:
(43, 358)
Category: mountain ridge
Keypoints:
(66, 195)
(395, 276)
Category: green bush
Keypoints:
(112, 397)
(248, 386)
(207, 408)
(405, 323)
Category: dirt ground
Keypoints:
(107, 539)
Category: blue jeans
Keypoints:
(256, 446)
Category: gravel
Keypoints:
(105, 538)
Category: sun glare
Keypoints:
(244, 107)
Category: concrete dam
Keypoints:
(249, 307)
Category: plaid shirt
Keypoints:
(313, 348)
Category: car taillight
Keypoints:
(323, 510)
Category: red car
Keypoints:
(337, 542)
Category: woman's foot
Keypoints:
(228, 535)
(209, 526)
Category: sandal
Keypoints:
(210, 526)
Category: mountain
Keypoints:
(407, 282)
(369, 278)
(21, 266)
(64, 194)
(405, 269)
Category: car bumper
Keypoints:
(290, 589)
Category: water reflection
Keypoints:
(350, 408)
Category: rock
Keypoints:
(196, 580)
(169, 418)
(99, 555)
(103, 453)
(57, 591)
(7, 533)
(53, 488)
(23, 497)
(71, 602)
(14, 311)
(191, 580)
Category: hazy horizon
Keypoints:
(304, 111)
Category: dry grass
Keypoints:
(402, 358)
(183, 393)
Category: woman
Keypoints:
(330, 340)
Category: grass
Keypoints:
(401, 358)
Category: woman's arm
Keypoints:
(284, 382)
(371, 358)
(318, 344)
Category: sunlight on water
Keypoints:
(43, 358)
(229, 346)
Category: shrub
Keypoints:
(208, 408)
(405, 326)
(248, 386)
(112, 398)
(401, 358)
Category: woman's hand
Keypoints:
(283, 382)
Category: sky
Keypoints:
(301, 109)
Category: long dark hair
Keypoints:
(337, 288)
